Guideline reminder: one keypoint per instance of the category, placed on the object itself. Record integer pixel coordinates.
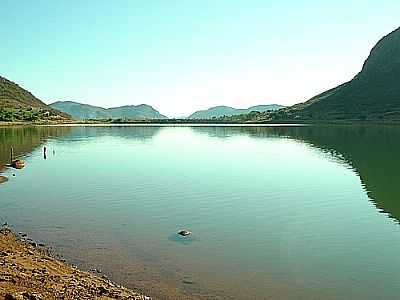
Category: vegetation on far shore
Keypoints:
(27, 114)
(18, 104)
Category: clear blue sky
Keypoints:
(180, 56)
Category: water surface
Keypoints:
(276, 212)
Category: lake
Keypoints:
(277, 212)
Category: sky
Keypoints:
(182, 56)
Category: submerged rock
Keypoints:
(3, 179)
(18, 164)
(184, 232)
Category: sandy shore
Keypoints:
(28, 271)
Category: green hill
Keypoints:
(374, 93)
(221, 111)
(17, 104)
(81, 111)
(142, 111)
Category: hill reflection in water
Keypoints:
(372, 151)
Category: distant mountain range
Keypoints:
(81, 111)
(221, 111)
(373, 94)
(17, 104)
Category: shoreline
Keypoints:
(31, 271)
(187, 123)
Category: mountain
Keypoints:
(81, 111)
(142, 111)
(374, 93)
(220, 111)
(17, 104)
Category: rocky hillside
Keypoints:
(221, 111)
(81, 111)
(374, 93)
(18, 104)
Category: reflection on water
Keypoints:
(371, 150)
(181, 239)
(21, 141)
(25, 139)
(140, 133)
(276, 212)
(3, 179)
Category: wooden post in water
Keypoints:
(11, 155)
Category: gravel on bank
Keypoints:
(30, 272)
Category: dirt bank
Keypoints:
(29, 272)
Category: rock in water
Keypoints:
(18, 164)
(184, 232)
(3, 179)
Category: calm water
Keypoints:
(276, 212)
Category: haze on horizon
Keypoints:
(182, 56)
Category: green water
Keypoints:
(296, 212)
